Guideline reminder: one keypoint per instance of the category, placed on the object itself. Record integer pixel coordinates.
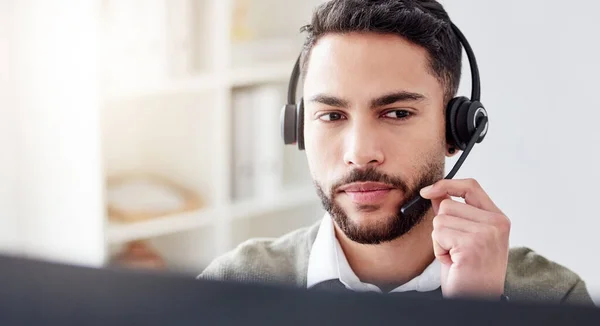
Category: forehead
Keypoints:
(368, 64)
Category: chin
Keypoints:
(371, 224)
(368, 228)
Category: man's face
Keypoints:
(374, 131)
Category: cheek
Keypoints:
(323, 152)
(313, 150)
(422, 144)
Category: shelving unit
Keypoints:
(184, 82)
(118, 233)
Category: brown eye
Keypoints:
(332, 116)
(397, 114)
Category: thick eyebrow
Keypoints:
(330, 100)
(387, 99)
(401, 96)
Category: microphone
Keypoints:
(418, 201)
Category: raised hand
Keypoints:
(470, 239)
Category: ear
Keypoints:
(451, 150)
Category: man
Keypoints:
(377, 76)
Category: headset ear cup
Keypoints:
(476, 112)
(288, 124)
(462, 124)
(452, 109)
(300, 124)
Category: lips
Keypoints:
(365, 193)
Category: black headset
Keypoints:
(466, 119)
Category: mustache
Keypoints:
(371, 175)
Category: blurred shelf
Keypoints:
(261, 73)
(199, 83)
(124, 232)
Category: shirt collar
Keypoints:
(322, 262)
(327, 261)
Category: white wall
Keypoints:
(51, 199)
(539, 62)
(9, 240)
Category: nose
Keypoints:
(363, 148)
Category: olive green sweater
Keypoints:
(284, 260)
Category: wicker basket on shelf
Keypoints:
(139, 197)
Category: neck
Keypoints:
(394, 263)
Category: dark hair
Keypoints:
(422, 22)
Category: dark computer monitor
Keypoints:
(34, 292)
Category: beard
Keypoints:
(391, 227)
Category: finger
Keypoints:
(469, 189)
(462, 210)
(444, 240)
(441, 254)
(456, 223)
(448, 238)
(436, 202)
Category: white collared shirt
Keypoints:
(327, 261)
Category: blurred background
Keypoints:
(145, 133)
